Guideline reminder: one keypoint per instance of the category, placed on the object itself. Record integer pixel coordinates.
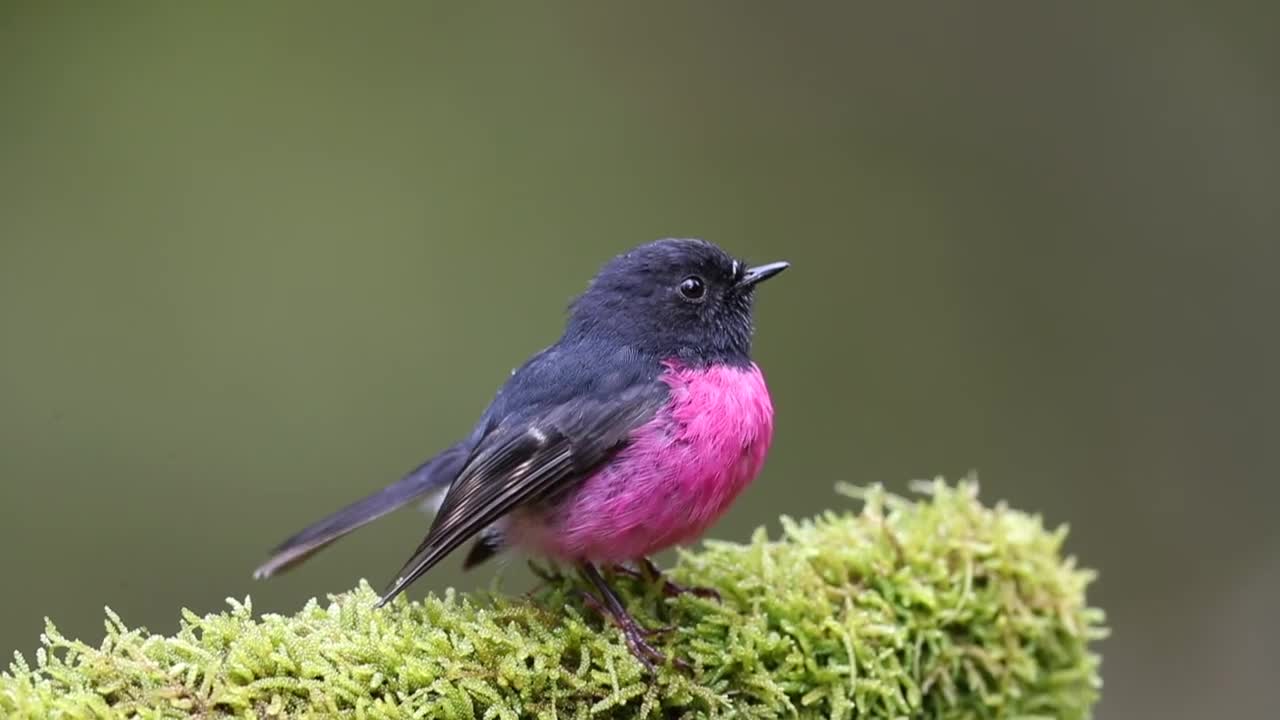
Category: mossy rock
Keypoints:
(937, 607)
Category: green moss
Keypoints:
(935, 608)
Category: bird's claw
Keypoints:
(637, 636)
(648, 655)
(673, 589)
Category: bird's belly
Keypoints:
(677, 476)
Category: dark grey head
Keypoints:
(675, 298)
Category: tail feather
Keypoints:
(434, 474)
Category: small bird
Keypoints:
(634, 432)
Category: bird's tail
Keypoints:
(434, 474)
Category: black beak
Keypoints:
(760, 273)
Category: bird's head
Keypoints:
(676, 298)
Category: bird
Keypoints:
(632, 433)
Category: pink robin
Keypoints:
(632, 433)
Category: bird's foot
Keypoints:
(637, 636)
(637, 639)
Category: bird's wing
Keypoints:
(526, 460)
(434, 474)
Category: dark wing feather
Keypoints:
(521, 462)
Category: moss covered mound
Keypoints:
(937, 607)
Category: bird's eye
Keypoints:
(693, 288)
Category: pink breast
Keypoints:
(677, 477)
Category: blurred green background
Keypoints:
(257, 259)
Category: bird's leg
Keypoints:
(650, 572)
(593, 602)
(636, 635)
